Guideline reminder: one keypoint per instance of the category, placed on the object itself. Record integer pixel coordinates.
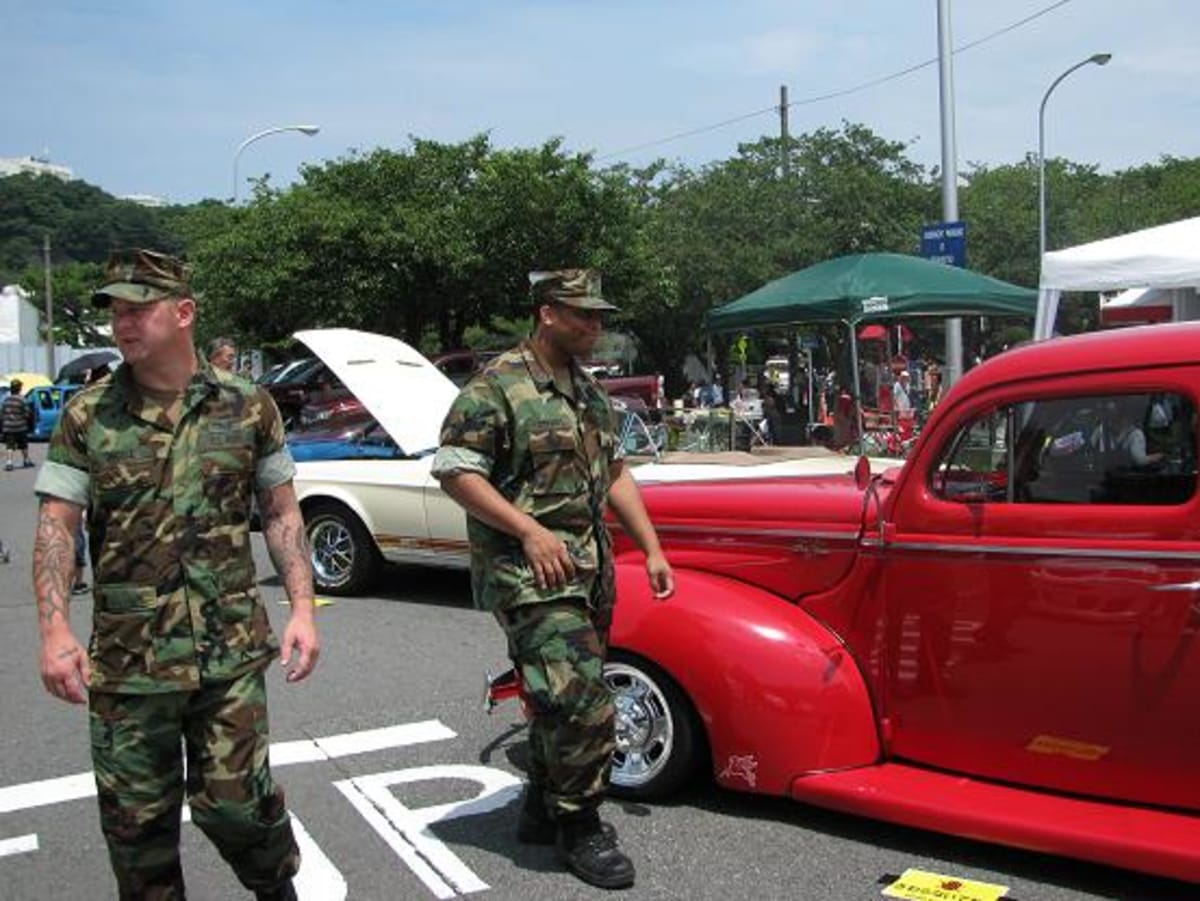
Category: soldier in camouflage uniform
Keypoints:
(164, 455)
(529, 449)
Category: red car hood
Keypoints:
(792, 536)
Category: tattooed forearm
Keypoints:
(53, 562)
(283, 529)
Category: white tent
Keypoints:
(1167, 256)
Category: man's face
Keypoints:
(146, 331)
(224, 358)
(572, 330)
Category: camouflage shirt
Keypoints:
(547, 448)
(168, 517)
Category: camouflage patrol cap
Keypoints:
(142, 276)
(579, 288)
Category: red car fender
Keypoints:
(778, 694)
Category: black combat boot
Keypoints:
(588, 848)
(285, 892)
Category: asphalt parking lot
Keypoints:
(403, 787)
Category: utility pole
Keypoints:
(49, 307)
(785, 144)
(954, 354)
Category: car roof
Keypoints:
(1138, 347)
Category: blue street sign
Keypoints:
(945, 242)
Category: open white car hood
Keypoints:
(397, 385)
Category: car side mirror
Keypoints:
(862, 473)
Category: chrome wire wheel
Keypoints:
(344, 556)
(332, 551)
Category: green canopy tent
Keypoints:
(872, 286)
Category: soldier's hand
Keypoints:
(300, 637)
(662, 578)
(66, 672)
(548, 558)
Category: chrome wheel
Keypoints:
(344, 557)
(646, 727)
(332, 551)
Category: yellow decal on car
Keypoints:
(1079, 750)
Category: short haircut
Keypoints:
(217, 344)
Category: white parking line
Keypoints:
(22, 844)
(83, 785)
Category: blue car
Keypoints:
(47, 402)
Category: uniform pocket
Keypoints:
(138, 477)
(227, 474)
(555, 462)
(122, 645)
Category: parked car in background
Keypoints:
(648, 389)
(295, 386)
(460, 365)
(358, 436)
(46, 402)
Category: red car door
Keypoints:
(1040, 603)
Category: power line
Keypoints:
(807, 101)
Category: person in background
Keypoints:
(222, 353)
(174, 672)
(716, 391)
(901, 395)
(1120, 437)
(933, 384)
(16, 419)
(529, 450)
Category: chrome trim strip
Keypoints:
(1034, 550)
(735, 533)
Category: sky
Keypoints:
(156, 96)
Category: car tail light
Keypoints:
(658, 394)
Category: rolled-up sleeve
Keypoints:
(474, 432)
(63, 482)
(275, 469)
(451, 461)
(66, 474)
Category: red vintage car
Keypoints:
(996, 639)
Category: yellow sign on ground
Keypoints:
(918, 885)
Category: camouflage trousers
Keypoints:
(558, 648)
(138, 744)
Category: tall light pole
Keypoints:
(309, 130)
(954, 349)
(1099, 59)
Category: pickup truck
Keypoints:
(995, 639)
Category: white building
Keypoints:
(15, 165)
(19, 318)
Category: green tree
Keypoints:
(84, 223)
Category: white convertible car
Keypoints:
(362, 512)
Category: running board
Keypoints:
(1137, 838)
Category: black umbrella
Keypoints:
(78, 368)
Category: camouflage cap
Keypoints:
(142, 276)
(578, 288)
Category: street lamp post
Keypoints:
(309, 130)
(1099, 59)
